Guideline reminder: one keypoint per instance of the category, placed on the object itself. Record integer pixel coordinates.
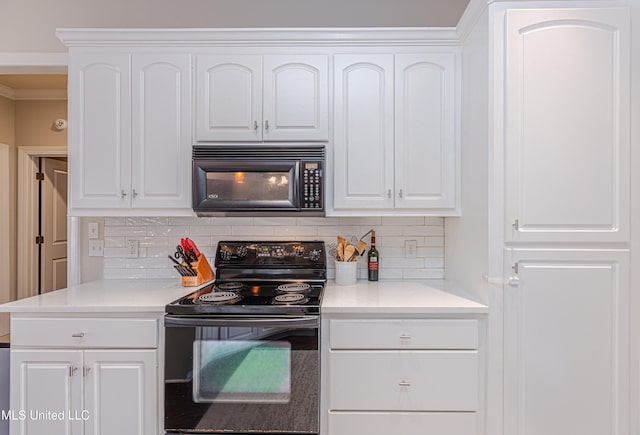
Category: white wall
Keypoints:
(158, 238)
(29, 25)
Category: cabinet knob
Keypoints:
(404, 383)
(135, 194)
(514, 281)
(405, 337)
(400, 194)
(122, 194)
(77, 334)
(266, 125)
(255, 125)
(389, 193)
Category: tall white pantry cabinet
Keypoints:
(557, 100)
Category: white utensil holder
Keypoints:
(346, 272)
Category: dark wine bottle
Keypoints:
(372, 259)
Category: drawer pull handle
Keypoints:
(405, 337)
(404, 384)
(78, 335)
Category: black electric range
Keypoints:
(261, 278)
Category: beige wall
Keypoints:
(7, 136)
(34, 121)
(29, 25)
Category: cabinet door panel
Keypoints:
(121, 392)
(295, 100)
(99, 142)
(405, 423)
(46, 381)
(567, 344)
(425, 139)
(161, 89)
(228, 98)
(363, 156)
(567, 125)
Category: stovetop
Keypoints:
(261, 278)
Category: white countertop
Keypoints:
(151, 295)
(113, 295)
(397, 297)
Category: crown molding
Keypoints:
(33, 63)
(33, 94)
(258, 37)
(470, 17)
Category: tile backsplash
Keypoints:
(158, 237)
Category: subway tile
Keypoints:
(114, 263)
(432, 242)
(361, 221)
(318, 221)
(344, 231)
(436, 252)
(403, 263)
(148, 263)
(114, 221)
(115, 252)
(388, 273)
(249, 231)
(163, 274)
(127, 231)
(403, 220)
(434, 263)
(390, 230)
(159, 252)
(210, 230)
(136, 221)
(170, 231)
(430, 220)
(398, 242)
(157, 242)
(296, 231)
(423, 274)
(275, 221)
(424, 230)
(189, 221)
(234, 221)
(114, 242)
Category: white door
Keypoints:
(228, 98)
(100, 136)
(425, 130)
(161, 129)
(295, 97)
(53, 213)
(121, 392)
(363, 137)
(45, 382)
(566, 338)
(567, 125)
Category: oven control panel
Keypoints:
(264, 253)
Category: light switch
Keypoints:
(96, 248)
(94, 230)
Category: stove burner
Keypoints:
(218, 298)
(229, 286)
(290, 298)
(294, 287)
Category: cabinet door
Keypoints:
(228, 98)
(44, 383)
(161, 140)
(567, 344)
(363, 151)
(121, 392)
(567, 125)
(425, 130)
(295, 98)
(100, 135)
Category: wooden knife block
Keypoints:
(204, 273)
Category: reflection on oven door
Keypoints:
(241, 371)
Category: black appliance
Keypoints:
(268, 180)
(242, 354)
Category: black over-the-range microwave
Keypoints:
(259, 180)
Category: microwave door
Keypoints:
(246, 186)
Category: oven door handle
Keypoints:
(255, 322)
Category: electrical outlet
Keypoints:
(94, 230)
(410, 248)
(96, 248)
(133, 248)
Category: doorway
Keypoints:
(36, 275)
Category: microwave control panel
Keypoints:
(312, 188)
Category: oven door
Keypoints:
(244, 376)
(245, 185)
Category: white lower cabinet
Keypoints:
(83, 389)
(409, 376)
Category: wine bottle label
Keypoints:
(373, 263)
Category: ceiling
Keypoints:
(34, 81)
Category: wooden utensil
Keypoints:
(349, 253)
(340, 250)
(361, 246)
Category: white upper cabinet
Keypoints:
(99, 134)
(130, 142)
(262, 98)
(425, 140)
(161, 144)
(567, 125)
(363, 150)
(395, 132)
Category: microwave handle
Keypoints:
(255, 322)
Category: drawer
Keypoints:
(403, 381)
(403, 334)
(84, 332)
(405, 423)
